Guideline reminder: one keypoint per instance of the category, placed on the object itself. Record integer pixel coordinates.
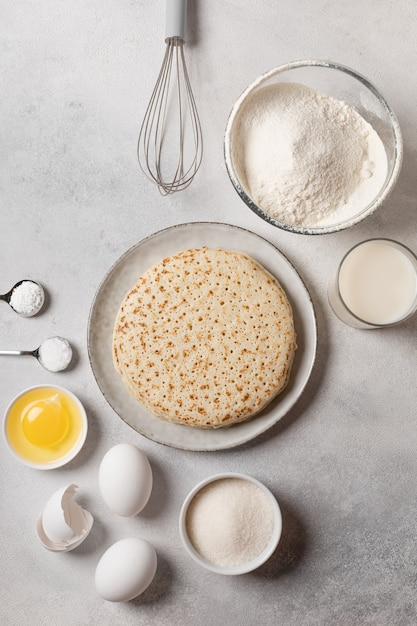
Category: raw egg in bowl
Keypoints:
(45, 426)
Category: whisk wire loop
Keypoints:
(171, 115)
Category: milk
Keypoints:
(378, 282)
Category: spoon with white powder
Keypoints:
(54, 354)
(25, 298)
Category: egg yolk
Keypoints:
(43, 425)
(45, 422)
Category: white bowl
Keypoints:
(343, 84)
(61, 459)
(247, 566)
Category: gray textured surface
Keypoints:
(75, 79)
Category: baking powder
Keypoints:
(305, 158)
(55, 354)
(230, 521)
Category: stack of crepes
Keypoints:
(205, 338)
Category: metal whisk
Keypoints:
(170, 145)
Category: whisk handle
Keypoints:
(176, 11)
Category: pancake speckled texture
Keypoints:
(205, 338)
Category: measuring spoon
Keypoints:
(54, 354)
(26, 297)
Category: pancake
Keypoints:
(205, 338)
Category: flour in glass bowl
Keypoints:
(305, 158)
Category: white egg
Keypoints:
(125, 570)
(125, 479)
(64, 524)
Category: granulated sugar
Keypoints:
(230, 521)
(305, 158)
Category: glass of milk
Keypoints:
(375, 285)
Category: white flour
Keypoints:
(305, 158)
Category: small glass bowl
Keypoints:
(248, 566)
(45, 457)
(341, 83)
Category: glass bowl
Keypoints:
(218, 520)
(343, 84)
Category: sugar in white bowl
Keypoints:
(230, 523)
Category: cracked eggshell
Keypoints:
(125, 479)
(64, 524)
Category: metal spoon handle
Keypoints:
(17, 352)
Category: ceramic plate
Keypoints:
(123, 275)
